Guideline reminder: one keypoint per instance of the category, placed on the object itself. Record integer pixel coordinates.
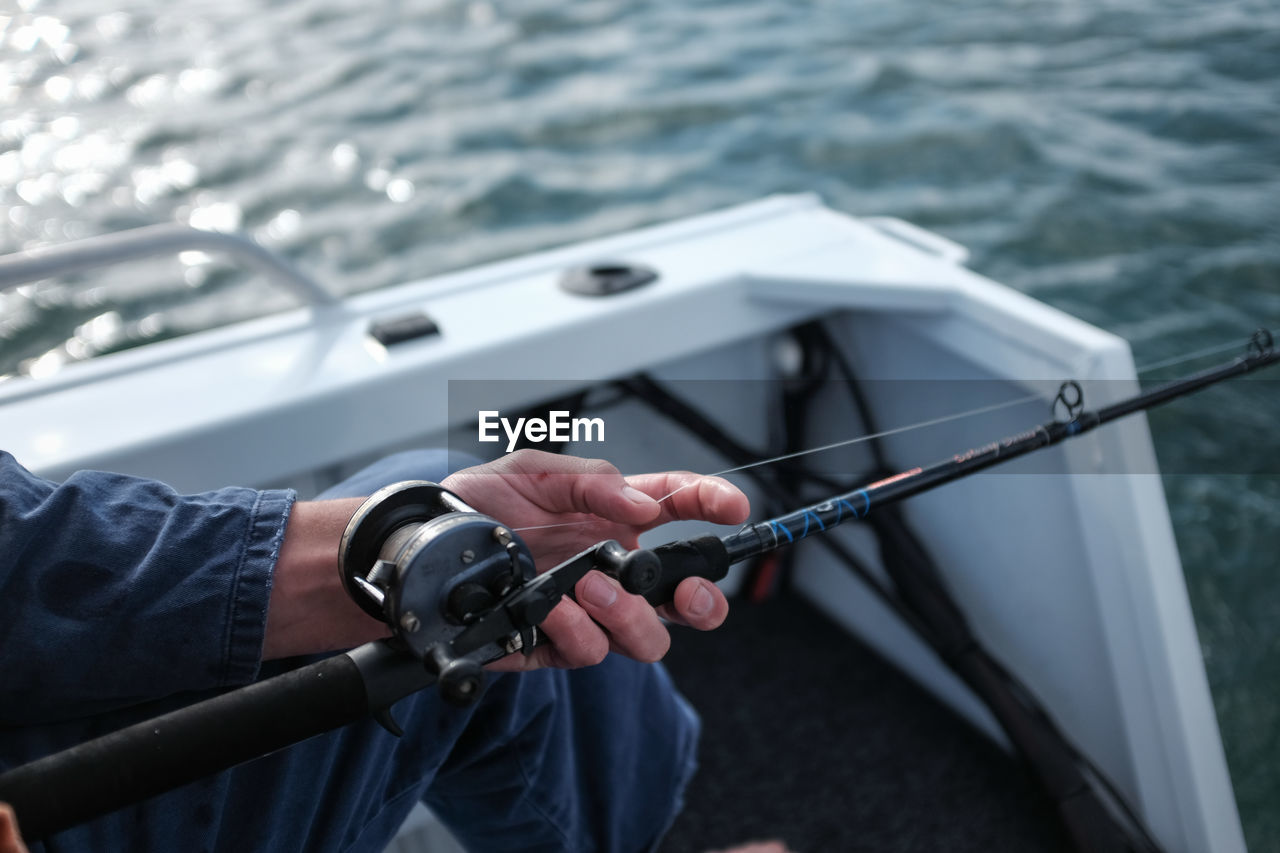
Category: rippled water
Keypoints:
(1119, 160)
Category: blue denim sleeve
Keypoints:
(115, 590)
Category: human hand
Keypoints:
(593, 502)
(10, 838)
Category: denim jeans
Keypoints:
(120, 600)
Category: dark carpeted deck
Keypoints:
(812, 738)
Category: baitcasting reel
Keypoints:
(418, 558)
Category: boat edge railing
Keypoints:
(122, 246)
(913, 235)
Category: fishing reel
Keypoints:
(459, 589)
(418, 558)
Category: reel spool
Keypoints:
(418, 558)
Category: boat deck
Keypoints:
(810, 737)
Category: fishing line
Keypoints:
(1181, 359)
(870, 437)
(799, 453)
(557, 524)
(1168, 362)
(1147, 368)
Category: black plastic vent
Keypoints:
(407, 327)
(606, 278)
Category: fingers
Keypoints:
(532, 485)
(570, 640)
(632, 624)
(561, 484)
(684, 495)
(604, 618)
(698, 603)
(10, 839)
(757, 847)
(607, 618)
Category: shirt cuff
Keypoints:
(246, 627)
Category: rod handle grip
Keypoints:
(157, 755)
(703, 557)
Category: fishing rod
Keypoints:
(761, 537)
(458, 589)
(919, 595)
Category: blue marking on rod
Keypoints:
(816, 517)
(866, 497)
(775, 525)
(845, 503)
